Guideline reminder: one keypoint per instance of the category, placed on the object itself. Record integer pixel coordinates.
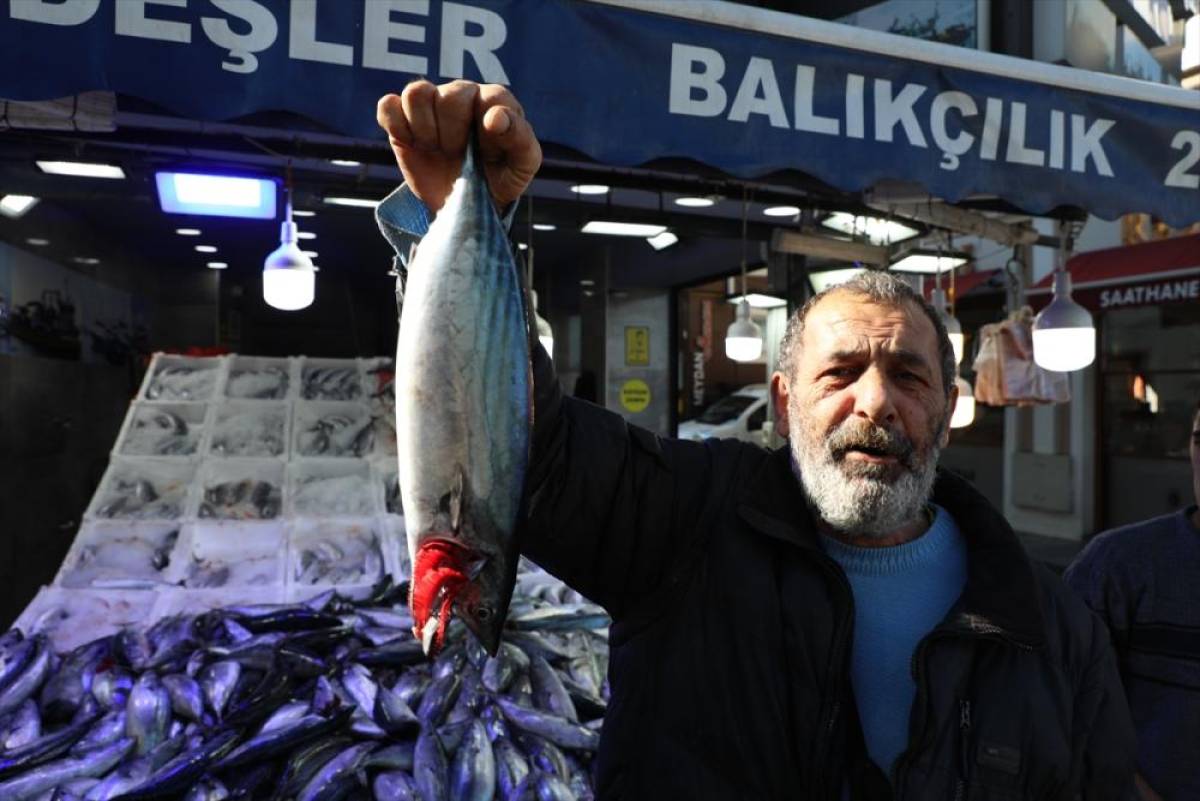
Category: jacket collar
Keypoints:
(1001, 594)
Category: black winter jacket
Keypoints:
(731, 639)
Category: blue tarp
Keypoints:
(747, 91)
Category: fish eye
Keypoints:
(483, 613)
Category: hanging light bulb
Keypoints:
(743, 340)
(937, 299)
(545, 333)
(289, 278)
(1064, 336)
(964, 407)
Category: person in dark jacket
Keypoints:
(1144, 582)
(837, 618)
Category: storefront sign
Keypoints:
(635, 395)
(1150, 293)
(637, 345)
(746, 91)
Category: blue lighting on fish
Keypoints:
(216, 195)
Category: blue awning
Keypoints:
(741, 89)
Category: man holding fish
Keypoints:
(835, 619)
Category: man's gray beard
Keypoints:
(863, 499)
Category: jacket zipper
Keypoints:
(841, 650)
(964, 757)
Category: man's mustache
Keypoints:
(870, 437)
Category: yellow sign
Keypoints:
(635, 395)
(637, 345)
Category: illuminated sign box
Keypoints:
(216, 195)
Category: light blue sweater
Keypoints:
(901, 593)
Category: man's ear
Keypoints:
(779, 402)
(945, 438)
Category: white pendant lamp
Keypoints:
(545, 333)
(937, 299)
(964, 407)
(289, 278)
(743, 340)
(1064, 336)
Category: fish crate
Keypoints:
(241, 489)
(174, 430)
(228, 553)
(260, 378)
(150, 488)
(183, 601)
(386, 475)
(379, 373)
(115, 555)
(332, 429)
(395, 547)
(72, 617)
(319, 488)
(331, 380)
(249, 429)
(335, 553)
(186, 379)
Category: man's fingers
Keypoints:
(389, 113)
(494, 94)
(455, 106)
(515, 154)
(417, 101)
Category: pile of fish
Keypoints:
(328, 496)
(182, 383)
(246, 499)
(161, 432)
(331, 699)
(137, 497)
(264, 383)
(249, 432)
(331, 383)
(338, 434)
(337, 554)
(118, 560)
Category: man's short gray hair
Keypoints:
(885, 289)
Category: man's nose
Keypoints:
(873, 398)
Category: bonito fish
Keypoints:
(464, 410)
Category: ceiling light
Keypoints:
(544, 227)
(545, 333)
(89, 260)
(929, 262)
(206, 249)
(622, 229)
(216, 195)
(303, 213)
(522, 246)
(289, 278)
(589, 189)
(15, 206)
(878, 230)
(758, 300)
(217, 265)
(188, 231)
(312, 254)
(345, 163)
(81, 169)
(354, 202)
(305, 235)
(586, 282)
(824, 280)
(781, 211)
(964, 407)
(1064, 336)
(954, 330)
(663, 240)
(37, 242)
(695, 202)
(743, 340)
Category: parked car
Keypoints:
(737, 416)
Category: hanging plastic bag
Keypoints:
(1006, 370)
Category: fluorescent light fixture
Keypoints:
(928, 262)
(188, 231)
(589, 189)
(694, 202)
(306, 235)
(544, 227)
(586, 282)
(15, 206)
(345, 163)
(622, 229)
(81, 169)
(216, 195)
(522, 246)
(878, 230)
(663, 240)
(89, 260)
(781, 211)
(303, 213)
(758, 300)
(217, 265)
(353, 202)
(37, 241)
(206, 249)
(824, 280)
